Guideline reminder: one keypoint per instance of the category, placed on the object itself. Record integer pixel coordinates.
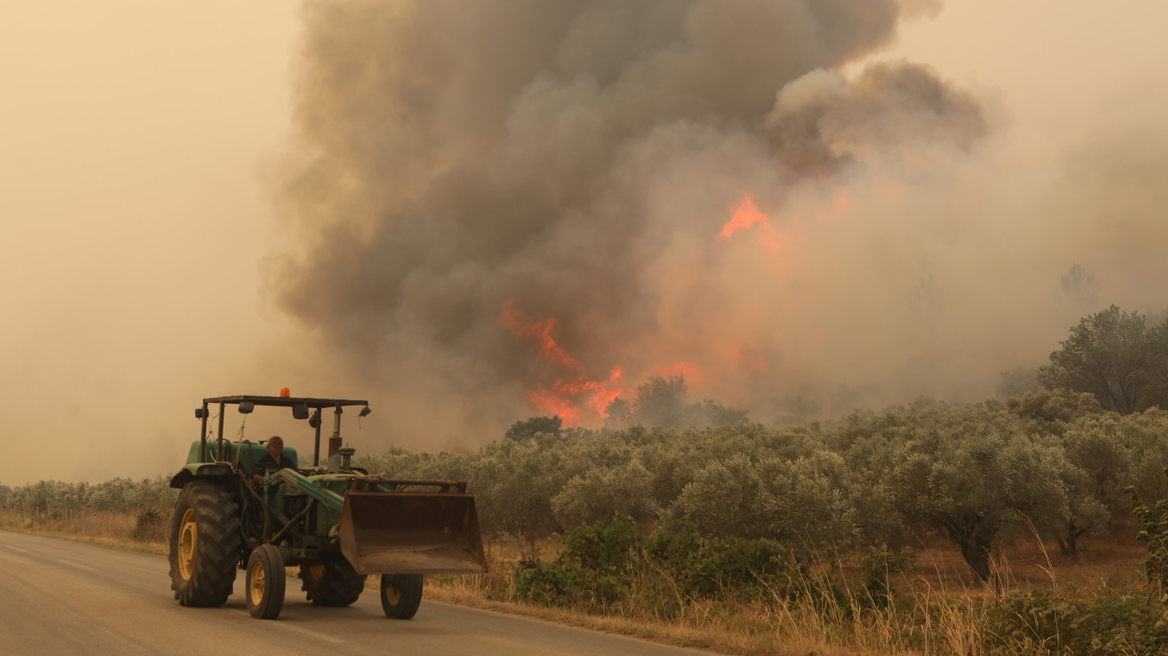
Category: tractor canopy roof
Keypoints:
(284, 401)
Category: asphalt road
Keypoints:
(64, 597)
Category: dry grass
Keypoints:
(111, 529)
(935, 611)
(936, 608)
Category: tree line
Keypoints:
(1055, 460)
(62, 500)
(975, 475)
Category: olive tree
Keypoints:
(664, 402)
(972, 475)
(808, 502)
(604, 492)
(1110, 355)
(527, 429)
(420, 465)
(1100, 469)
(803, 503)
(114, 495)
(724, 499)
(514, 483)
(1145, 436)
(55, 499)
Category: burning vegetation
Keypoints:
(538, 208)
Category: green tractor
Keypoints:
(337, 522)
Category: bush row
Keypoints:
(976, 475)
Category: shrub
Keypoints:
(592, 571)
(151, 525)
(709, 567)
(1108, 622)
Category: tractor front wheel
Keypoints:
(204, 544)
(332, 584)
(265, 582)
(400, 595)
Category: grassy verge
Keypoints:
(112, 529)
(1038, 603)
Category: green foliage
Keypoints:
(1017, 382)
(151, 525)
(972, 475)
(1155, 372)
(1099, 467)
(710, 567)
(1053, 405)
(978, 475)
(803, 503)
(724, 498)
(1107, 622)
(1154, 534)
(57, 499)
(526, 430)
(515, 482)
(592, 571)
(398, 463)
(1113, 356)
(662, 402)
(54, 499)
(603, 565)
(602, 492)
(878, 565)
(1146, 438)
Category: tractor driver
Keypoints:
(274, 459)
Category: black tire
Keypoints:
(204, 544)
(266, 580)
(332, 584)
(400, 595)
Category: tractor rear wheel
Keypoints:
(400, 595)
(265, 582)
(332, 584)
(204, 544)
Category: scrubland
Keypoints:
(1001, 528)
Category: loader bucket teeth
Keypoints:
(411, 533)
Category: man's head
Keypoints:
(275, 446)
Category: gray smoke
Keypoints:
(464, 167)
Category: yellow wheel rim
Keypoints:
(315, 573)
(188, 542)
(259, 583)
(393, 594)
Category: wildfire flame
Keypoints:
(564, 387)
(572, 394)
(746, 216)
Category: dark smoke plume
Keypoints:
(466, 167)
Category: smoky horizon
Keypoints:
(534, 208)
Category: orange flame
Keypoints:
(572, 392)
(747, 216)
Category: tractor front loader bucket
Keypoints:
(411, 533)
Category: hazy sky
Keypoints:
(141, 144)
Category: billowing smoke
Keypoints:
(522, 207)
